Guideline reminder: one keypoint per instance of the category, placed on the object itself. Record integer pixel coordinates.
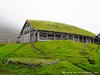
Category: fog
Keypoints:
(81, 13)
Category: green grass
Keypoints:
(59, 69)
(63, 49)
(58, 27)
(26, 51)
(8, 49)
(2, 44)
(70, 54)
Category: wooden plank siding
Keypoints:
(45, 36)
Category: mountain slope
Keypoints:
(7, 33)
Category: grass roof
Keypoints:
(58, 27)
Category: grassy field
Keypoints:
(73, 60)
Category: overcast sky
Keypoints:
(81, 13)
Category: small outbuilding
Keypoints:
(38, 30)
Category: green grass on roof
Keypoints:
(58, 27)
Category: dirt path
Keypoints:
(37, 49)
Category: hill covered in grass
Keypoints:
(7, 33)
(58, 27)
(50, 58)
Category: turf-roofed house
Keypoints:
(38, 30)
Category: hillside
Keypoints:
(50, 58)
(7, 33)
(58, 27)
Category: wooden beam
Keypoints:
(86, 40)
(47, 36)
(54, 36)
(67, 37)
(34, 36)
(90, 41)
(79, 38)
(82, 39)
(61, 36)
(73, 38)
(93, 40)
(38, 36)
